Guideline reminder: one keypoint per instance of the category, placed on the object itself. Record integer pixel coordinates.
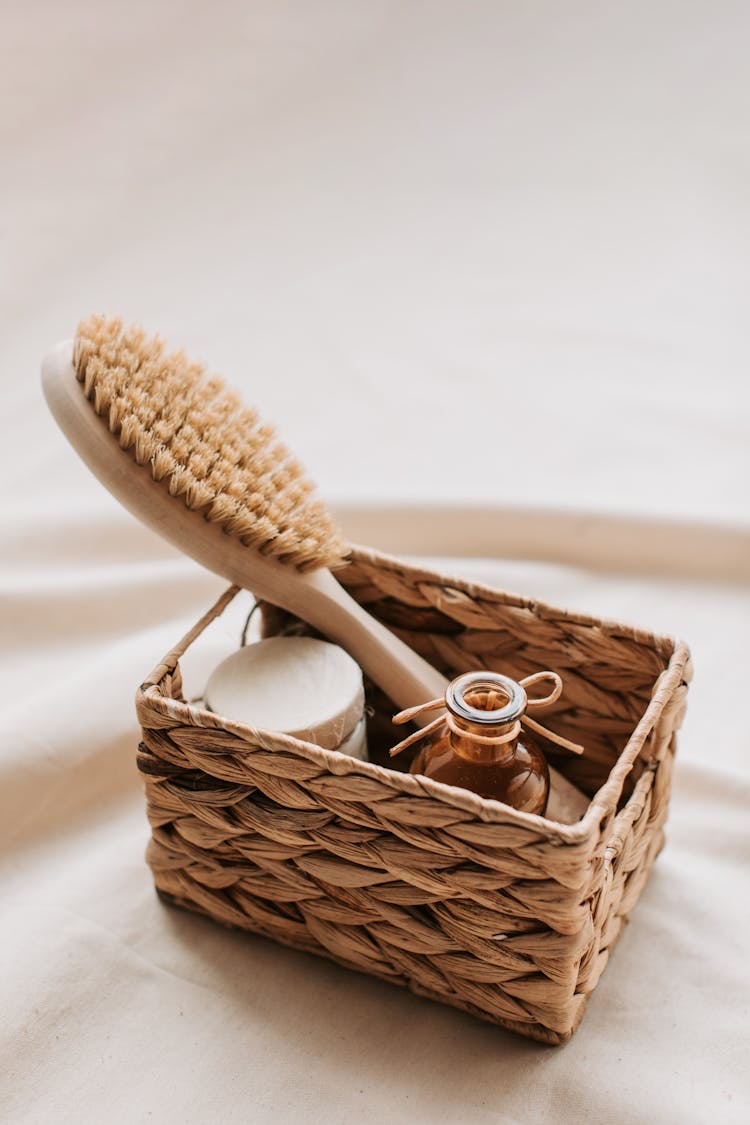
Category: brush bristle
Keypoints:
(192, 432)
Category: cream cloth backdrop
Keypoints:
(462, 253)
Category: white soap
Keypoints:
(356, 744)
(295, 685)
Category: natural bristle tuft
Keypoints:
(191, 431)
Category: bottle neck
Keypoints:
(474, 741)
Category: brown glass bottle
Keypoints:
(478, 747)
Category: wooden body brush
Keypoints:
(180, 451)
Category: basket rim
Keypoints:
(662, 642)
(602, 804)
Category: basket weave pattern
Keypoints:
(506, 915)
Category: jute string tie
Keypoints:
(538, 703)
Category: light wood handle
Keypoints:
(316, 597)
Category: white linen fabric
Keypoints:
(485, 252)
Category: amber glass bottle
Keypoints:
(478, 747)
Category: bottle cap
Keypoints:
(472, 682)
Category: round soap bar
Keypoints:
(296, 685)
(356, 744)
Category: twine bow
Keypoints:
(537, 703)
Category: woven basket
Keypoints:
(504, 914)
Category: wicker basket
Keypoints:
(506, 915)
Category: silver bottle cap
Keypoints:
(455, 698)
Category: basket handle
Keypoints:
(167, 666)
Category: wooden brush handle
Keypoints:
(315, 596)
